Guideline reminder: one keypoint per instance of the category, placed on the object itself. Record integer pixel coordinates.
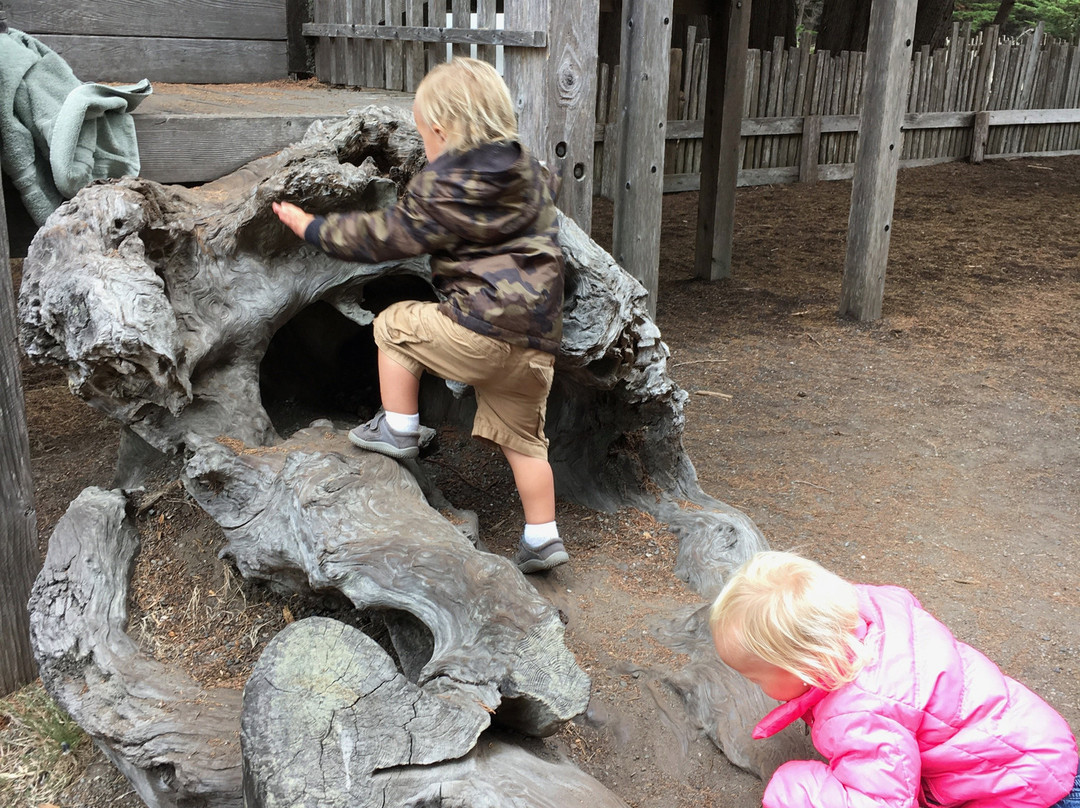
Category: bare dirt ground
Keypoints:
(938, 449)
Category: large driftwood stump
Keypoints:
(330, 720)
(193, 318)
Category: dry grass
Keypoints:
(41, 749)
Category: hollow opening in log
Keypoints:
(321, 364)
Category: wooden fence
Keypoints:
(980, 97)
(391, 44)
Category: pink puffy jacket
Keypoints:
(930, 721)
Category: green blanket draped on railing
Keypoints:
(57, 134)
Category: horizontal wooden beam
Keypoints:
(1013, 117)
(187, 61)
(188, 149)
(835, 124)
(197, 19)
(681, 183)
(469, 36)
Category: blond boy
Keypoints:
(483, 209)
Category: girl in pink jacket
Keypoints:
(904, 713)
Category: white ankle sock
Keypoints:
(403, 424)
(536, 536)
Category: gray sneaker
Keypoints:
(377, 436)
(550, 555)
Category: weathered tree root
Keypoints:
(316, 515)
(176, 741)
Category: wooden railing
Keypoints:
(391, 44)
(978, 98)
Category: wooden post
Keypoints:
(808, 154)
(720, 144)
(639, 172)
(888, 52)
(18, 519)
(554, 90)
(979, 136)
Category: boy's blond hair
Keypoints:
(793, 613)
(468, 100)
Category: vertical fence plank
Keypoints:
(851, 99)
(836, 79)
(414, 51)
(461, 18)
(772, 105)
(761, 147)
(611, 143)
(395, 51)
(808, 156)
(340, 45)
(377, 61)
(323, 48)
(689, 82)
(356, 50)
(750, 89)
(938, 80)
(18, 519)
(485, 21)
(980, 136)
(1072, 97)
(806, 109)
(790, 105)
(674, 103)
(923, 105)
(603, 87)
(754, 59)
(701, 99)
(435, 52)
(953, 55)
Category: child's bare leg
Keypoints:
(535, 484)
(541, 549)
(398, 387)
(396, 431)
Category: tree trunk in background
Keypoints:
(1004, 12)
(933, 22)
(770, 19)
(844, 24)
(18, 520)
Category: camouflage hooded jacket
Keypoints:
(487, 218)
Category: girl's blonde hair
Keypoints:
(793, 613)
(468, 100)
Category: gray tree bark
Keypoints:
(177, 742)
(357, 732)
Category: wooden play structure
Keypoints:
(550, 54)
(548, 51)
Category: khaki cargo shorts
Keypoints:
(511, 382)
